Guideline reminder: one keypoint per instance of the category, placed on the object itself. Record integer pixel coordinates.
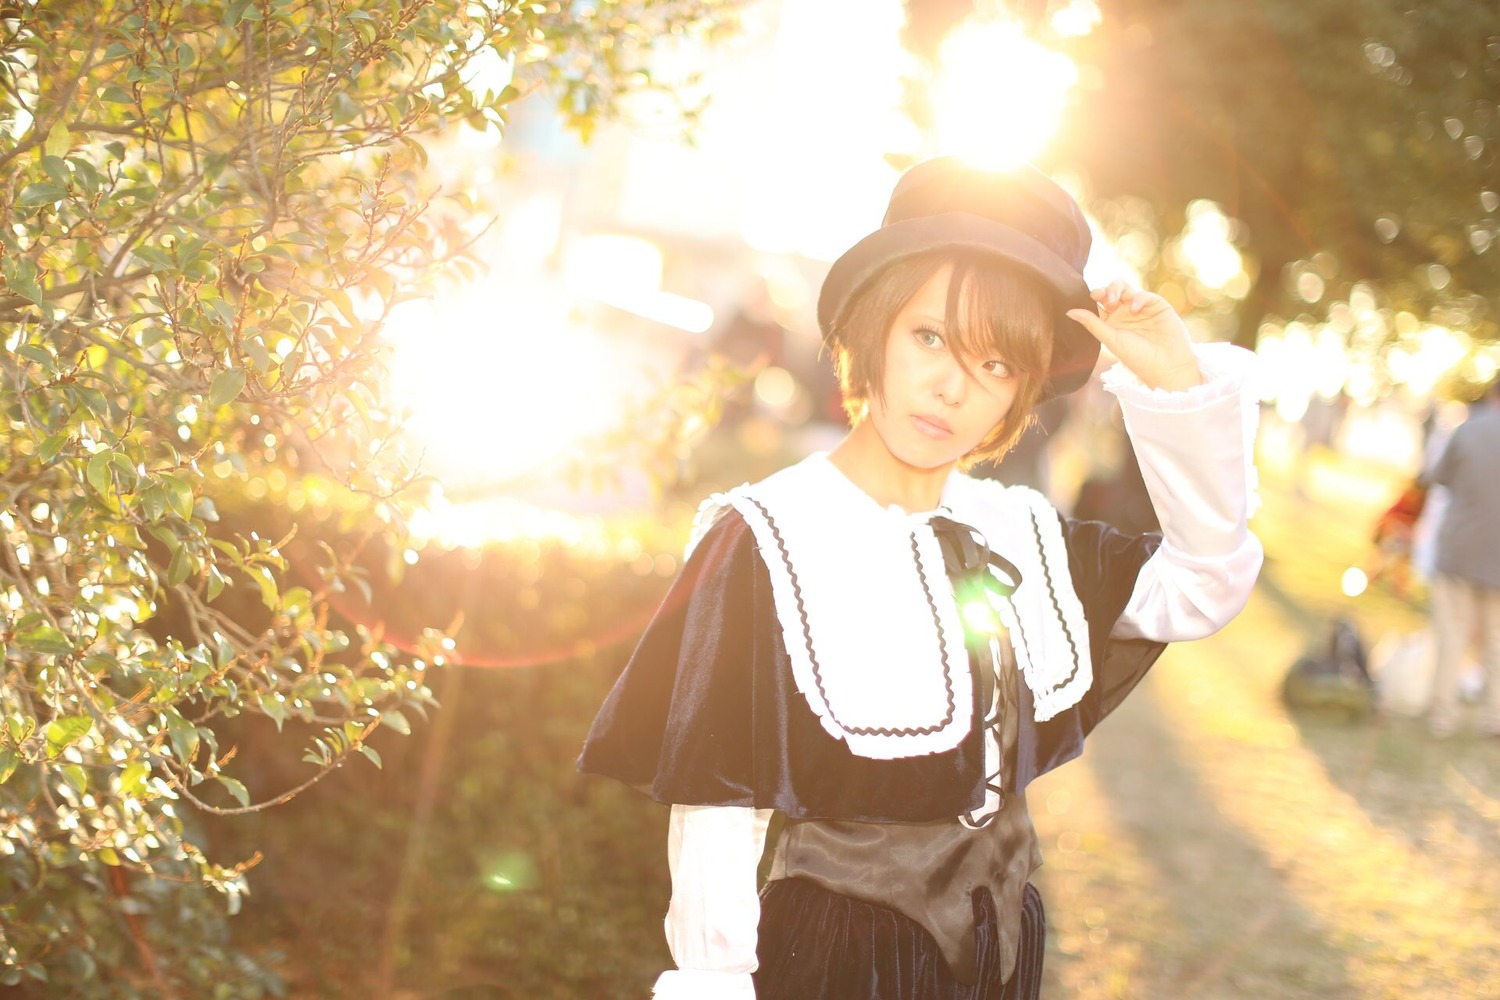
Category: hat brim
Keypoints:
(1075, 351)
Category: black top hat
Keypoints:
(1020, 216)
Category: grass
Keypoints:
(1212, 845)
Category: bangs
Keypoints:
(994, 312)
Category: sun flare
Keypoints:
(498, 386)
(999, 95)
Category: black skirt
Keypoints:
(816, 944)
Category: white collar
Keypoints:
(868, 615)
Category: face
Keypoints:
(936, 407)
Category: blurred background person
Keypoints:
(1466, 584)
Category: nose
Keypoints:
(951, 382)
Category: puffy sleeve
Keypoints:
(713, 922)
(1195, 449)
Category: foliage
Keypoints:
(211, 207)
(1358, 142)
(479, 862)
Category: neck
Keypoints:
(864, 459)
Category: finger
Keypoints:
(1100, 330)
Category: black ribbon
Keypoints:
(968, 559)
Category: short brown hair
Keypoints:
(992, 309)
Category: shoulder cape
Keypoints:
(708, 710)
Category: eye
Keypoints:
(928, 337)
(996, 368)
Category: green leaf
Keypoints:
(235, 788)
(125, 472)
(240, 10)
(180, 567)
(267, 584)
(52, 446)
(76, 776)
(100, 663)
(345, 109)
(396, 721)
(28, 288)
(133, 778)
(258, 354)
(98, 474)
(154, 500)
(115, 95)
(21, 727)
(41, 193)
(179, 496)
(39, 354)
(108, 856)
(154, 334)
(369, 752)
(8, 762)
(45, 639)
(275, 710)
(59, 140)
(94, 400)
(183, 734)
(57, 169)
(227, 385)
(63, 733)
(157, 258)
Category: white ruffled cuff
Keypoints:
(692, 984)
(1228, 373)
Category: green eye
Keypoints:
(929, 338)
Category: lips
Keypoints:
(933, 427)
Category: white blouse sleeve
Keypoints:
(714, 918)
(1196, 452)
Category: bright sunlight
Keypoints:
(999, 94)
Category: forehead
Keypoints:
(960, 306)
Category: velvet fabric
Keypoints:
(706, 712)
(820, 945)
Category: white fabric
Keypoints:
(713, 853)
(871, 629)
(691, 984)
(1195, 448)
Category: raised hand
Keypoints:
(1143, 330)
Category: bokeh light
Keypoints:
(1354, 582)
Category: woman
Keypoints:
(887, 651)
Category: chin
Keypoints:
(928, 458)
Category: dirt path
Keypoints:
(1211, 845)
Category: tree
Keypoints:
(1356, 142)
(210, 208)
